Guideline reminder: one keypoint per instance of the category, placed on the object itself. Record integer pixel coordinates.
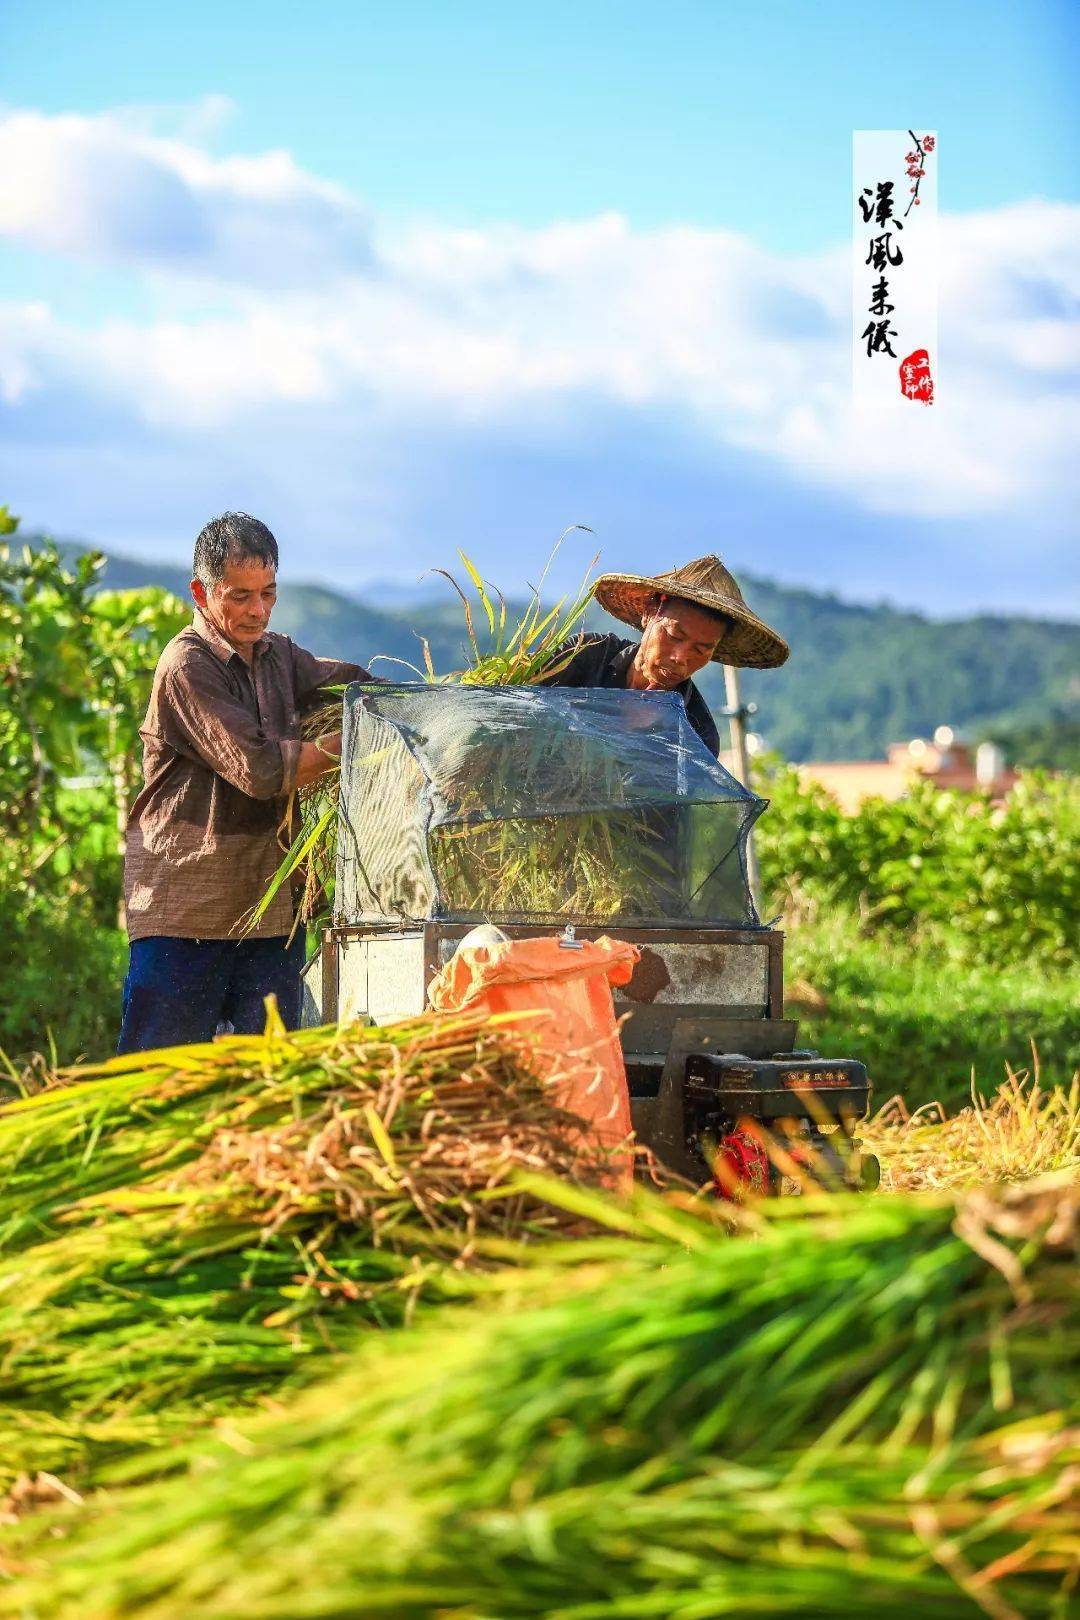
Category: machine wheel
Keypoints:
(865, 1173)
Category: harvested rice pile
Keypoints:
(853, 1405)
(1024, 1131)
(181, 1231)
(863, 1407)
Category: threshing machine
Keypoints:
(584, 812)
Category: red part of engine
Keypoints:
(741, 1166)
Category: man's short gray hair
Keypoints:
(231, 538)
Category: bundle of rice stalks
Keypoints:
(588, 866)
(1023, 1131)
(181, 1230)
(508, 654)
(864, 1410)
(513, 654)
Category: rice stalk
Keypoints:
(308, 834)
(1024, 1130)
(868, 1407)
(181, 1230)
(510, 653)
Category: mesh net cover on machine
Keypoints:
(536, 804)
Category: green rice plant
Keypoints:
(182, 1230)
(307, 834)
(511, 653)
(864, 1407)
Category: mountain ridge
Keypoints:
(860, 676)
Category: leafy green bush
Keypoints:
(65, 955)
(62, 987)
(75, 665)
(993, 883)
(922, 1022)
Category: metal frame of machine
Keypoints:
(709, 1056)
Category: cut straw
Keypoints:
(850, 1413)
(181, 1230)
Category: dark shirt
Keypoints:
(221, 743)
(606, 660)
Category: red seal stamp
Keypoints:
(915, 379)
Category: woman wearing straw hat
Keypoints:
(689, 617)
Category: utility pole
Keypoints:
(737, 714)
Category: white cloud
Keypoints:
(317, 309)
(105, 188)
(194, 122)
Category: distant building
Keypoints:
(948, 762)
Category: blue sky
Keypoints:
(413, 276)
(736, 115)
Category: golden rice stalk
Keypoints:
(1023, 1131)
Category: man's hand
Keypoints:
(318, 757)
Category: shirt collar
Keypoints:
(620, 662)
(217, 642)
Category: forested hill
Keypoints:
(859, 677)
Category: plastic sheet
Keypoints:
(530, 804)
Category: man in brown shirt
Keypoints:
(221, 755)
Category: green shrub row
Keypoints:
(996, 883)
(65, 956)
(62, 996)
(925, 1024)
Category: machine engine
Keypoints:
(754, 1122)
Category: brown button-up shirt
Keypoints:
(221, 743)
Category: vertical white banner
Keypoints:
(894, 268)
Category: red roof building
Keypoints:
(948, 762)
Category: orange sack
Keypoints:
(576, 1035)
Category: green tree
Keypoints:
(128, 630)
(76, 664)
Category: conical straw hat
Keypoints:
(748, 641)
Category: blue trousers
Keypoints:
(178, 991)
